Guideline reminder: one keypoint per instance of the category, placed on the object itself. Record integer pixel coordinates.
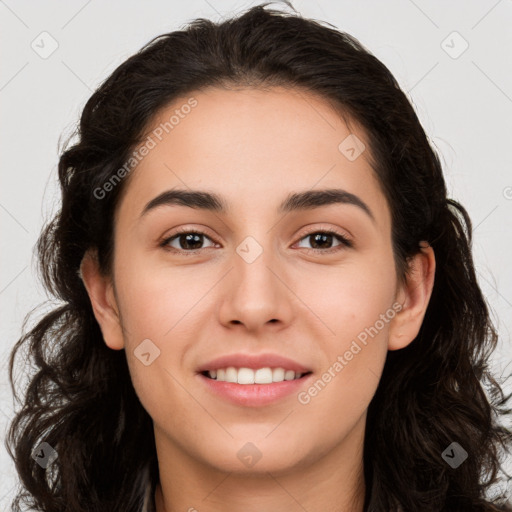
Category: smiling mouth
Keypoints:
(246, 376)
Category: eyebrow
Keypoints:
(297, 201)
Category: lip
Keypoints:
(254, 361)
(254, 395)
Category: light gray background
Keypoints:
(464, 104)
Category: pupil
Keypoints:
(322, 237)
(189, 238)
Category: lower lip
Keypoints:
(254, 395)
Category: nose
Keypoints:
(257, 290)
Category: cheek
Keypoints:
(348, 298)
(354, 357)
(167, 306)
(353, 309)
(157, 297)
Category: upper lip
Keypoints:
(254, 361)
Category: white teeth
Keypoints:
(265, 375)
(278, 374)
(231, 374)
(245, 376)
(289, 375)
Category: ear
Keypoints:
(103, 300)
(414, 296)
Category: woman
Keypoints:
(258, 373)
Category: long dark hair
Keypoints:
(436, 391)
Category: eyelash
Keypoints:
(345, 242)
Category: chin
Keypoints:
(255, 457)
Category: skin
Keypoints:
(254, 147)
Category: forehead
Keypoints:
(253, 147)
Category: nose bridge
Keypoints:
(256, 295)
(257, 249)
(252, 266)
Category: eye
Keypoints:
(188, 240)
(325, 238)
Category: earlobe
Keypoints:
(414, 296)
(103, 300)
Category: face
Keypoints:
(312, 281)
